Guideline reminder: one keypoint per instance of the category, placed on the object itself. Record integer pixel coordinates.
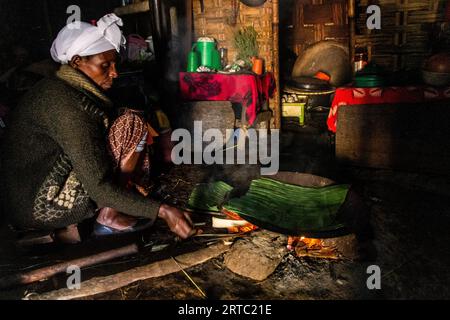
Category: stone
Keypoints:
(258, 256)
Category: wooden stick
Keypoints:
(157, 269)
(190, 279)
(276, 64)
(47, 272)
(218, 235)
(352, 31)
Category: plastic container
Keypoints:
(193, 61)
(208, 53)
(294, 109)
(258, 66)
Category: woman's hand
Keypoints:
(178, 221)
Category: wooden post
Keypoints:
(157, 30)
(174, 21)
(189, 25)
(352, 26)
(276, 63)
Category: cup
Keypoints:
(258, 66)
(223, 57)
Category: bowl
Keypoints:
(253, 3)
(436, 79)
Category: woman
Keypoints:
(57, 168)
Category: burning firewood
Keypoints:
(332, 248)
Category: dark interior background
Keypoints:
(33, 24)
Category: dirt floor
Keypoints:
(407, 237)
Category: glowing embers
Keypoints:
(330, 248)
(309, 247)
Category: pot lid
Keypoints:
(205, 39)
(330, 57)
(308, 83)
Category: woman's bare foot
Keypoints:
(114, 219)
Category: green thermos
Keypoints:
(208, 53)
(193, 61)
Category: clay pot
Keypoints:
(438, 63)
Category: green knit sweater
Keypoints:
(55, 169)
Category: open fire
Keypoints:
(310, 247)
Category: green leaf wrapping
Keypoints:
(291, 207)
(209, 196)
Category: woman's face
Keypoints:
(101, 67)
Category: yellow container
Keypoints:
(294, 109)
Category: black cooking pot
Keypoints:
(318, 92)
(253, 3)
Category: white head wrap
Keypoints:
(85, 39)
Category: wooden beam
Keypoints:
(157, 269)
(137, 7)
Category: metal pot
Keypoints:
(318, 92)
(253, 3)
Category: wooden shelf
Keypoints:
(137, 7)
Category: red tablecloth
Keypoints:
(249, 90)
(386, 95)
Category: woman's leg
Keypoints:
(127, 146)
(111, 217)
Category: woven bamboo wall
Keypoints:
(406, 27)
(316, 20)
(217, 21)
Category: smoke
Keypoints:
(174, 59)
(175, 53)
